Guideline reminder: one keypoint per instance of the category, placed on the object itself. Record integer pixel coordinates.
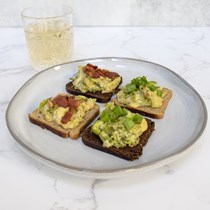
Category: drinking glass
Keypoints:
(49, 35)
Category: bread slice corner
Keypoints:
(38, 119)
(157, 113)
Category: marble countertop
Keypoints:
(184, 184)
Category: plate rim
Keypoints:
(106, 172)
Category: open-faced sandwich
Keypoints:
(65, 115)
(144, 97)
(119, 132)
(94, 82)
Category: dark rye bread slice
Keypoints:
(38, 119)
(101, 97)
(157, 113)
(127, 153)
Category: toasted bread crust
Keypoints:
(127, 153)
(101, 97)
(157, 113)
(38, 119)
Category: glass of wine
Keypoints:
(49, 35)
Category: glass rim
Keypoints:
(70, 11)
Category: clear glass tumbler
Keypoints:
(49, 35)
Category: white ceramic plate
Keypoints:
(184, 122)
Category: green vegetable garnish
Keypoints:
(51, 110)
(159, 93)
(141, 83)
(137, 118)
(112, 113)
(42, 104)
(152, 88)
(118, 111)
(96, 127)
(128, 123)
(105, 116)
(130, 87)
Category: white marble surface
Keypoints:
(119, 12)
(184, 184)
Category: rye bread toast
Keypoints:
(127, 153)
(101, 97)
(38, 119)
(157, 113)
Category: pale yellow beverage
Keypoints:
(49, 34)
(50, 42)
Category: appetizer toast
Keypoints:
(94, 82)
(101, 97)
(65, 115)
(119, 132)
(144, 97)
(157, 113)
(128, 153)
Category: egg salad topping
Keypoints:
(67, 111)
(119, 127)
(141, 92)
(92, 79)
